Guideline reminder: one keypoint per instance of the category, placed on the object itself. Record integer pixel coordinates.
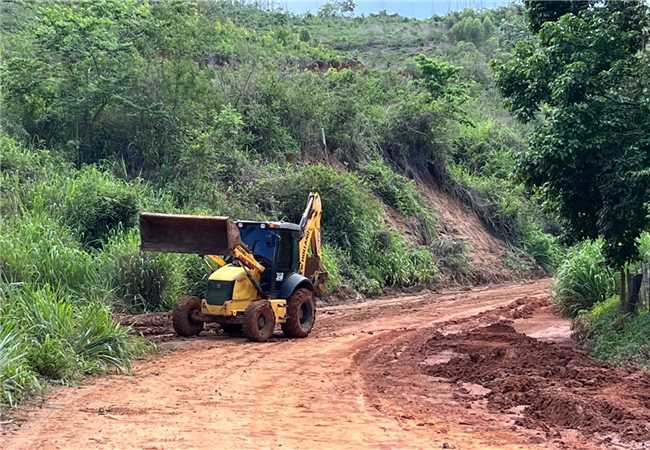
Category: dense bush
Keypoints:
(583, 279)
(91, 202)
(143, 282)
(351, 221)
(613, 336)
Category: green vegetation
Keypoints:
(112, 107)
(583, 279)
(581, 80)
(369, 255)
(614, 336)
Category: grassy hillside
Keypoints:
(113, 107)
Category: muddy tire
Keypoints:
(182, 320)
(259, 321)
(232, 329)
(301, 314)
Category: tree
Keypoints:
(442, 82)
(539, 12)
(469, 29)
(108, 79)
(584, 82)
(337, 7)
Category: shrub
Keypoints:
(89, 201)
(395, 190)
(331, 262)
(543, 248)
(36, 249)
(583, 279)
(351, 214)
(143, 281)
(613, 336)
(397, 264)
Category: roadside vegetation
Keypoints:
(581, 81)
(112, 107)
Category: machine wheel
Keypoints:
(184, 325)
(259, 321)
(232, 329)
(301, 314)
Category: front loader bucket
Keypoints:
(203, 235)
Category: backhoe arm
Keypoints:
(310, 240)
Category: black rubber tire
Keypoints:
(182, 320)
(232, 329)
(259, 321)
(301, 314)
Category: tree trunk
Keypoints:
(634, 287)
(623, 296)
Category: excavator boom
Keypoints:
(310, 249)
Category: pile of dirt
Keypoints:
(550, 386)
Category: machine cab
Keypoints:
(275, 246)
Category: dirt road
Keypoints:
(485, 368)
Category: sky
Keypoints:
(420, 9)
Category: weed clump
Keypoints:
(145, 282)
(614, 336)
(583, 279)
(54, 336)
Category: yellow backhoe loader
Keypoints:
(269, 272)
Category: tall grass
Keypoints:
(34, 248)
(16, 376)
(613, 336)
(143, 282)
(583, 279)
(49, 335)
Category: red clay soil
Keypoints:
(487, 254)
(556, 386)
(391, 373)
(485, 373)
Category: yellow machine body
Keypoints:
(268, 271)
(244, 293)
